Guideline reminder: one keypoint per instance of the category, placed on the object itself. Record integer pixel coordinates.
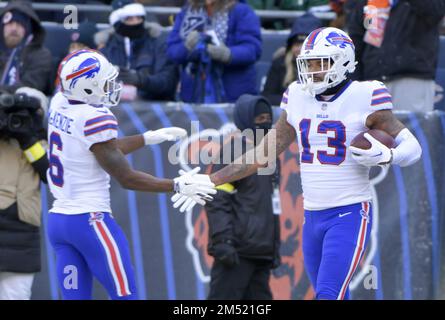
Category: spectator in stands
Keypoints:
(244, 228)
(25, 66)
(217, 44)
(399, 47)
(83, 37)
(283, 70)
(23, 59)
(138, 49)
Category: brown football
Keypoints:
(360, 141)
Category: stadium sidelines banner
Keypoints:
(403, 260)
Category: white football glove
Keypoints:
(192, 188)
(377, 155)
(164, 134)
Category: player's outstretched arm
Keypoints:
(406, 152)
(132, 143)
(281, 137)
(112, 160)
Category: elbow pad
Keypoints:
(408, 150)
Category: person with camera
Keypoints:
(244, 227)
(25, 68)
(24, 62)
(217, 44)
(23, 164)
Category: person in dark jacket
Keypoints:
(283, 70)
(397, 42)
(24, 62)
(217, 44)
(138, 50)
(244, 235)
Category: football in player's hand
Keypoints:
(361, 142)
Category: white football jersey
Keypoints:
(330, 176)
(77, 181)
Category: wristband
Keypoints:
(35, 152)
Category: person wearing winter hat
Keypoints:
(283, 70)
(21, 40)
(83, 37)
(138, 50)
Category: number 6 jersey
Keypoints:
(330, 177)
(77, 181)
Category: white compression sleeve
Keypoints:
(408, 149)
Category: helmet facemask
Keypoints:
(330, 71)
(334, 53)
(87, 76)
(112, 90)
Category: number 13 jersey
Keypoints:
(330, 176)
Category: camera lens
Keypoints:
(6, 100)
(15, 122)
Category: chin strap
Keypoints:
(337, 88)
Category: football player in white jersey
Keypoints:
(326, 110)
(84, 151)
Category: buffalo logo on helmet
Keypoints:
(339, 40)
(88, 69)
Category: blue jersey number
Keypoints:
(55, 166)
(337, 142)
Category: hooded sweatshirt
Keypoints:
(34, 62)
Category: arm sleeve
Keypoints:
(247, 46)
(28, 195)
(98, 128)
(176, 49)
(408, 150)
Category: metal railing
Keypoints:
(263, 14)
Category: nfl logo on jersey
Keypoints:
(95, 216)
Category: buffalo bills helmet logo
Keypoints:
(88, 69)
(339, 40)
